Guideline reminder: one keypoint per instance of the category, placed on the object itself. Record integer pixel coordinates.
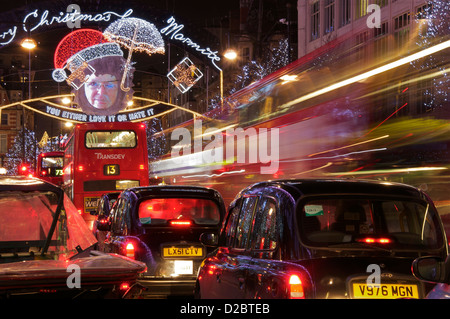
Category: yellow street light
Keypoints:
(230, 54)
(28, 43)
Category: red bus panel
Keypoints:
(101, 158)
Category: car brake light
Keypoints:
(296, 288)
(129, 250)
(180, 223)
(370, 240)
(124, 286)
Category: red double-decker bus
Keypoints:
(50, 167)
(101, 158)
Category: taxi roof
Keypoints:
(344, 186)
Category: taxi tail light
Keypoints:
(129, 250)
(124, 286)
(371, 240)
(180, 223)
(296, 288)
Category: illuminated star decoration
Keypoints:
(184, 75)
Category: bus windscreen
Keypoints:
(110, 139)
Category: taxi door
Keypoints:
(234, 259)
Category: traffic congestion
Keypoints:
(324, 178)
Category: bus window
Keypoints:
(50, 167)
(110, 139)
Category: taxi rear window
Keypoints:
(159, 211)
(395, 223)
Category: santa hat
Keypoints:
(75, 51)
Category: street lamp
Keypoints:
(229, 54)
(29, 44)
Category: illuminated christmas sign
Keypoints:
(35, 20)
(173, 30)
(136, 115)
(93, 63)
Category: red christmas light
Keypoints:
(75, 42)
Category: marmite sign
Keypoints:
(135, 115)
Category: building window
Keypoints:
(5, 119)
(3, 143)
(315, 18)
(361, 8)
(424, 12)
(344, 12)
(381, 3)
(424, 97)
(401, 30)
(329, 16)
(380, 40)
(361, 46)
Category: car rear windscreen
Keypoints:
(159, 211)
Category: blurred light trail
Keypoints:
(215, 175)
(368, 74)
(314, 169)
(351, 145)
(391, 171)
(336, 156)
(413, 80)
(385, 119)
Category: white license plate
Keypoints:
(183, 267)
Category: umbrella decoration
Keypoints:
(135, 35)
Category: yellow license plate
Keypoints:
(182, 251)
(385, 291)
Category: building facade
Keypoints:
(387, 22)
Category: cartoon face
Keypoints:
(101, 91)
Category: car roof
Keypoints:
(170, 190)
(298, 187)
(24, 183)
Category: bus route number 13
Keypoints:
(111, 169)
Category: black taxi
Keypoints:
(322, 239)
(161, 226)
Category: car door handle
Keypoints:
(241, 282)
(218, 276)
